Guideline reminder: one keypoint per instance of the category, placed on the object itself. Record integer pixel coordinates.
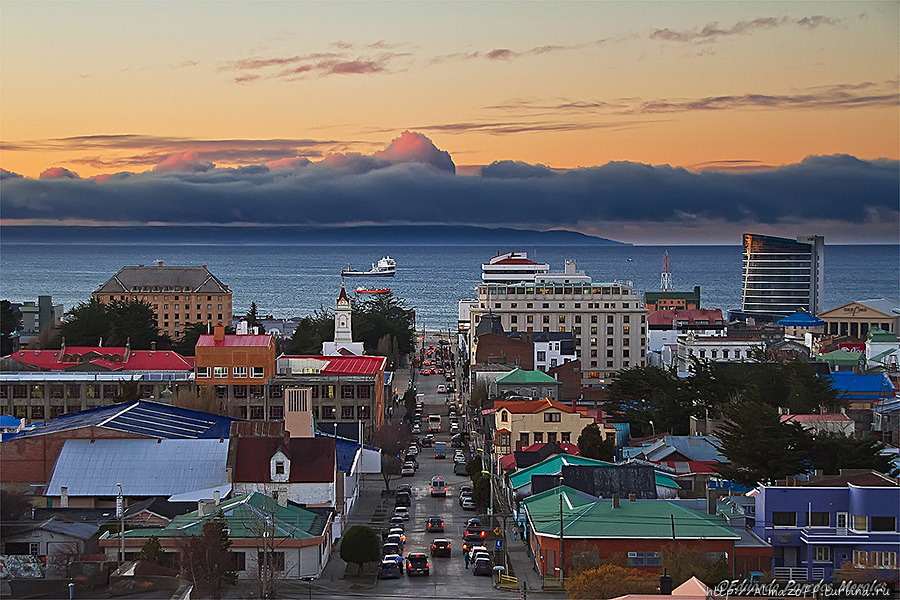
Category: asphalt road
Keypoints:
(448, 577)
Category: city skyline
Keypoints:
(639, 122)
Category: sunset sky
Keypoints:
(202, 103)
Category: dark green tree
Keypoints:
(360, 545)
(252, 318)
(10, 324)
(306, 339)
(115, 324)
(831, 452)
(409, 402)
(592, 445)
(760, 446)
(642, 394)
(152, 552)
(190, 334)
(86, 325)
(481, 491)
(14, 505)
(383, 315)
(474, 467)
(207, 561)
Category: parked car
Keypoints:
(417, 428)
(417, 564)
(413, 450)
(402, 499)
(389, 548)
(473, 522)
(407, 470)
(396, 522)
(428, 441)
(440, 547)
(482, 566)
(389, 569)
(434, 524)
(397, 558)
(396, 538)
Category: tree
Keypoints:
(190, 334)
(206, 558)
(311, 332)
(610, 581)
(409, 402)
(152, 552)
(760, 446)
(479, 395)
(592, 445)
(383, 315)
(831, 452)
(474, 468)
(642, 394)
(252, 318)
(14, 505)
(683, 563)
(114, 324)
(392, 439)
(360, 545)
(10, 325)
(481, 491)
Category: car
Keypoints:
(464, 490)
(474, 534)
(459, 458)
(413, 450)
(396, 522)
(468, 504)
(407, 470)
(441, 389)
(405, 487)
(428, 441)
(464, 496)
(424, 372)
(434, 524)
(440, 547)
(397, 558)
(389, 548)
(457, 441)
(417, 564)
(454, 427)
(473, 522)
(396, 538)
(460, 469)
(416, 429)
(397, 531)
(475, 551)
(402, 512)
(482, 566)
(438, 487)
(402, 499)
(389, 569)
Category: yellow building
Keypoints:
(178, 295)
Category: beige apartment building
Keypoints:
(178, 295)
(607, 320)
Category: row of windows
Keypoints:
(562, 305)
(714, 353)
(56, 390)
(538, 437)
(544, 289)
(823, 519)
(328, 413)
(186, 307)
(187, 316)
(222, 372)
(187, 297)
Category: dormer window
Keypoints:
(504, 416)
(279, 467)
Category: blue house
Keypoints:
(819, 526)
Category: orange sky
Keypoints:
(563, 84)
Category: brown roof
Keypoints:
(867, 479)
(312, 459)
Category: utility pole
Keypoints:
(674, 542)
(561, 555)
(120, 512)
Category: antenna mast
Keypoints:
(665, 278)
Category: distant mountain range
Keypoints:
(409, 235)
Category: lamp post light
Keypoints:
(652, 427)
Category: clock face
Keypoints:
(343, 322)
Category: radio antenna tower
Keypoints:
(665, 278)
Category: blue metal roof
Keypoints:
(143, 417)
(345, 450)
(801, 319)
(848, 382)
(9, 421)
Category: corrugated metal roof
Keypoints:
(164, 279)
(143, 467)
(344, 365)
(520, 376)
(231, 341)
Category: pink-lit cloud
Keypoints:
(58, 173)
(416, 147)
(294, 162)
(713, 31)
(185, 162)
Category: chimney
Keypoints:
(64, 497)
(711, 498)
(216, 497)
(219, 333)
(632, 498)
(665, 584)
(153, 346)
(159, 263)
(615, 501)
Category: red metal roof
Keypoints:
(349, 365)
(816, 418)
(686, 467)
(520, 407)
(230, 340)
(138, 360)
(312, 459)
(164, 360)
(515, 261)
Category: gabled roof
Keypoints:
(152, 419)
(692, 447)
(840, 357)
(520, 377)
(344, 365)
(888, 307)
(585, 516)
(134, 360)
(165, 279)
(312, 459)
(550, 466)
(532, 407)
(143, 467)
(244, 515)
(234, 341)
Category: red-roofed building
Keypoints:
(828, 423)
(665, 326)
(97, 358)
(519, 424)
(222, 359)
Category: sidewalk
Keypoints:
(520, 561)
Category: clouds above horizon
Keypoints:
(712, 32)
(412, 181)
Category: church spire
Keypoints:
(343, 332)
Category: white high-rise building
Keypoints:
(781, 276)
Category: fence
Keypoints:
(554, 583)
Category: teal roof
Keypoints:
(842, 358)
(520, 377)
(879, 335)
(584, 516)
(553, 465)
(244, 514)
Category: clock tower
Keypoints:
(343, 343)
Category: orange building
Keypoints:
(234, 359)
(178, 295)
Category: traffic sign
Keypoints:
(498, 544)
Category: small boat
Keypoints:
(629, 260)
(362, 290)
(385, 267)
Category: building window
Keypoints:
(363, 413)
(542, 356)
(565, 436)
(363, 391)
(238, 561)
(276, 560)
(279, 467)
(347, 392)
(553, 417)
(514, 319)
(257, 371)
(545, 319)
(530, 318)
(859, 523)
(504, 416)
(257, 412)
(609, 318)
(329, 413)
(822, 553)
(784, 519)
(644, 559)
(819, 519)
(551, 437)
(538, 437)
(523, 438)
(577, 317)
(328, 391)
(220, 372)
(883, 524)
(347, 412)
(202, 371)
(562, 318)
(276, 413)
(238, 371)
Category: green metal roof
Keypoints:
(553, 465)
(882, 355)
(879, 335)
(584, 516)
(841, 358)
(520, 377)
(245, 515)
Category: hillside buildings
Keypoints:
(178, 295)
(781, 276)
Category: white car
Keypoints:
(459, 457)
(412, 450)
(442, 389)
(402, 512)
(416, 429)
(468, 504)
(407, 470)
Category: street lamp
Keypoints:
(652, 427)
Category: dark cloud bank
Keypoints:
(412, 181)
